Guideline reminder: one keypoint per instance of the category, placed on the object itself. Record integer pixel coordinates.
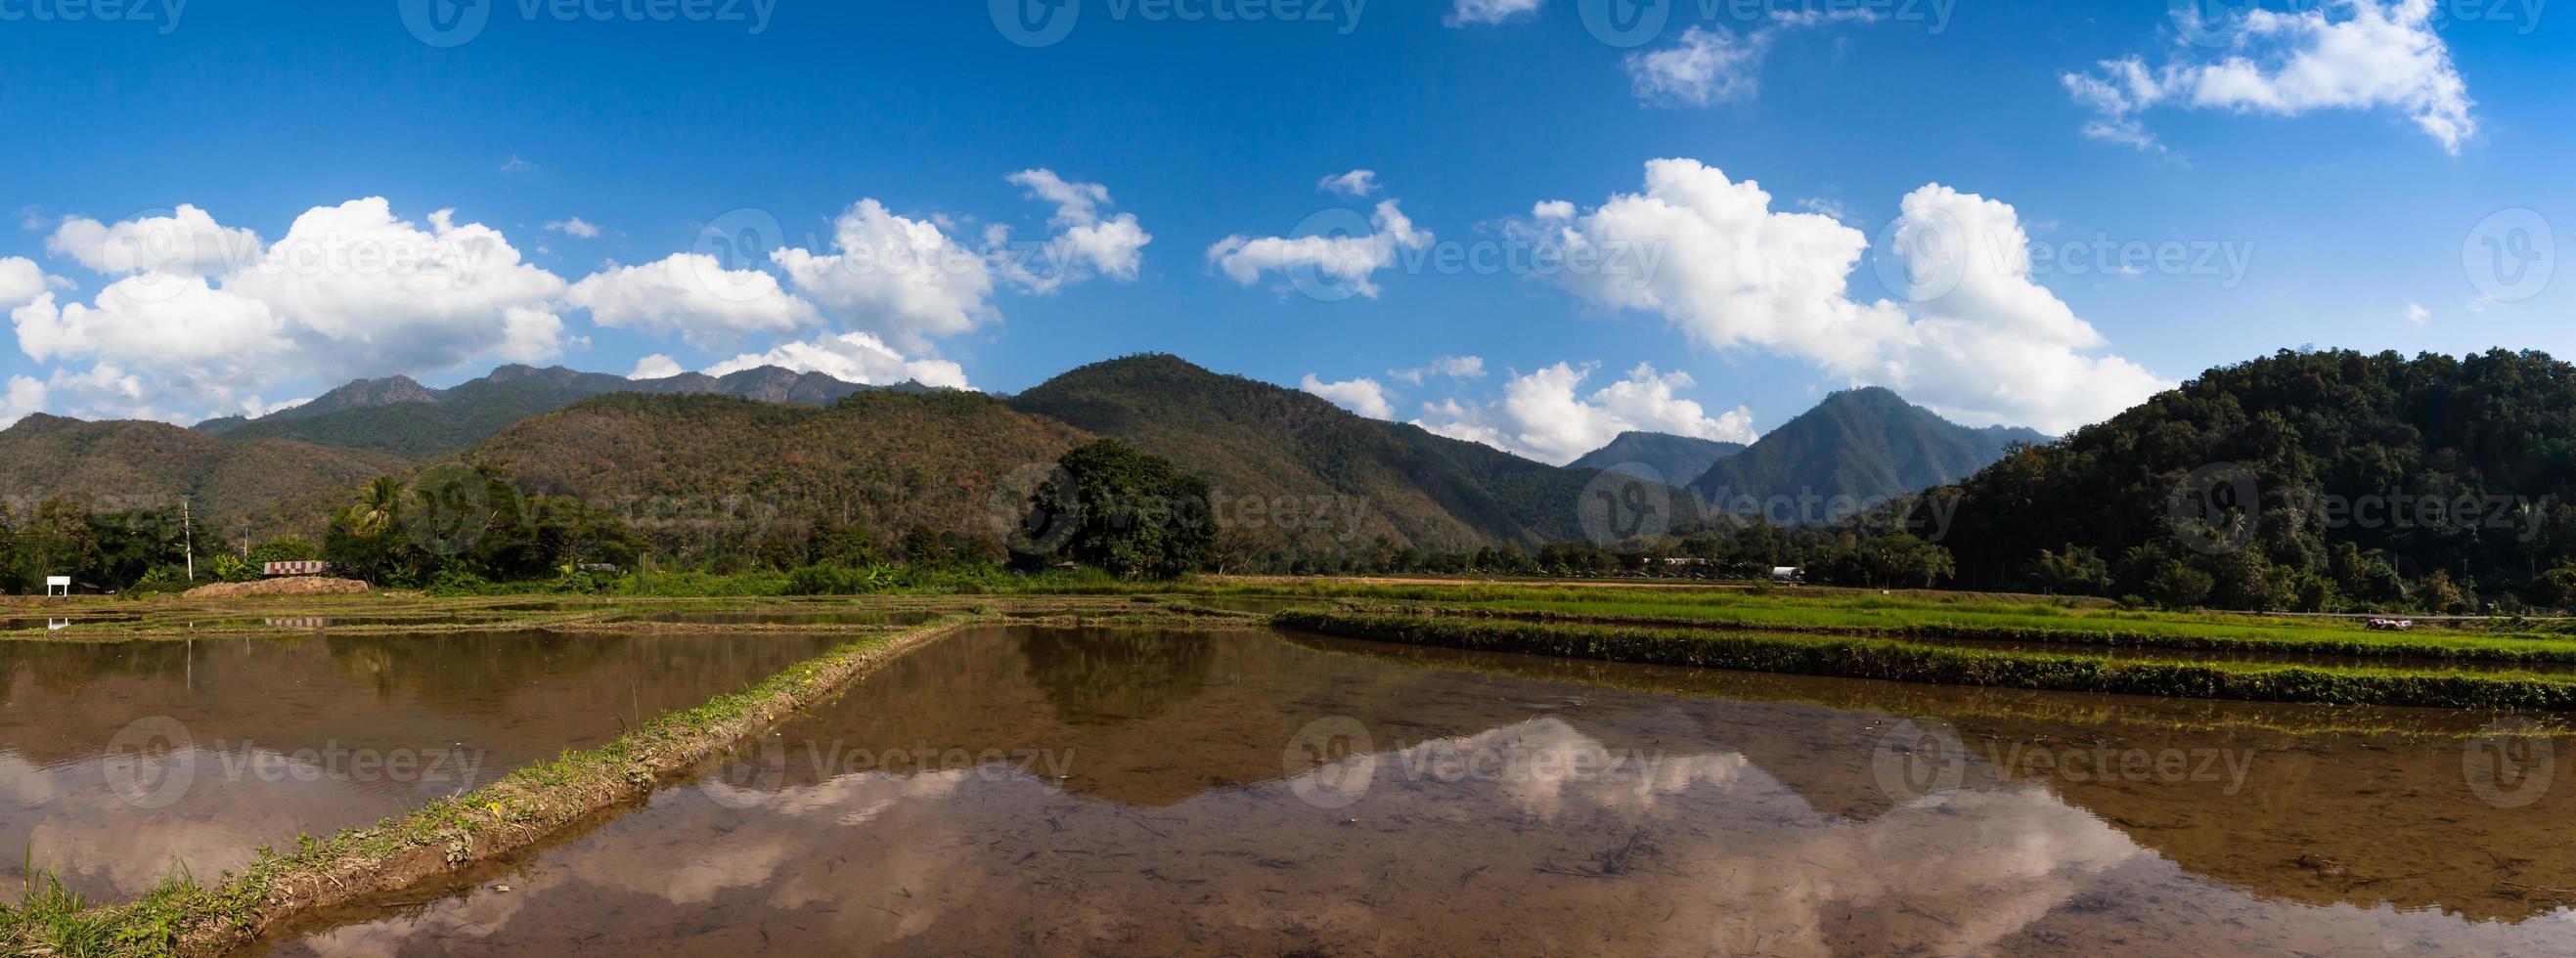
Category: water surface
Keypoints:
(122, 761)
(1126, 791)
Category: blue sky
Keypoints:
(2320, 173)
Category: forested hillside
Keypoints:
(701, 474)
(1866, 445)
(273, 485)
(1666, 457)
(398, 416)
(2433, 482)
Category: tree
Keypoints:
(2075, 569)
(1135, 515)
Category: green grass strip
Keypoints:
(1899, 661)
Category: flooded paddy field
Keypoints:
(121, 762)
(1017, 789)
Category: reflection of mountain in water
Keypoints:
(1113, 676)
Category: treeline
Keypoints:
(2328, 481)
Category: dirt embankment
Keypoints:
(299, 585)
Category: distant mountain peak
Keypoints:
(1866, 445)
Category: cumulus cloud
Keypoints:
(188, 242)
(902, 280)
(1087, 243)
(574, 227)
(1363, 396)
(25, 395)
(1545, 416)
(656, 366)
(1488, 12)
(1358, 184)
(1336, 263)
(2417, 314)
(1977, 339)
(203, 316)
(21, 280)
(852, 357)
(2339, 55)
(694, 296)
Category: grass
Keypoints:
(1902, 661)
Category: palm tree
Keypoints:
(379, 506)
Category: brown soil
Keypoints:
(299, 585)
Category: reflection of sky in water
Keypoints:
(290, 735)
(1672, 853)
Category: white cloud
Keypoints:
(1453, 367)
(1088, 243)
(693, 295)
(1358, 184)
(2417, 314)
(349, 290)
(1707, 67)
(902, 279)
(656, 366)
(1978, 340)
(25, 395)
(1544, 417)
(2339, 55)
(21, 280)
(1340, 264)
(188, 242)
(574, 227)
(1488, 12)
(850, 357)
(1363, 396)
(516, 165)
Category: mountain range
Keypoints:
(773, 452)
(1861, 445)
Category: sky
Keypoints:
(1530, 223)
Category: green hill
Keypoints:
(1256, 442)
(399, 416)
(1665, 457)
(274, 485)
(699, 472)
(1868, 445)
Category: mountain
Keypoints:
(1350, 479)
(717, 471)
(399, 416)
(1865, 444)
(275, 485)
(1664, 457)
(2370, 480)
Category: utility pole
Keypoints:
(188, 535)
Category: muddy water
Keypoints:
(122, 761)
(1032, 790)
